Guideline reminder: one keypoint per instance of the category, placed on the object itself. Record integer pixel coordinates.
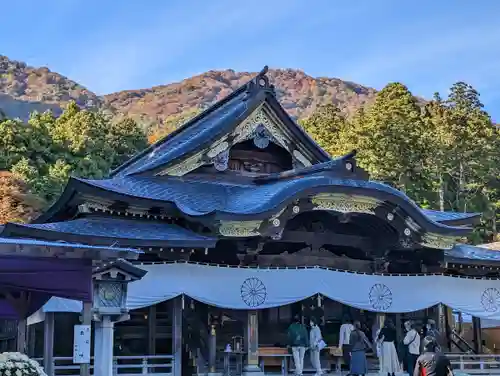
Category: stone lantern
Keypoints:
(109, 306)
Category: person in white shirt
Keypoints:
(412, 341)
(344, 345)
(315, 338)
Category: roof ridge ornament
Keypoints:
(259, 82)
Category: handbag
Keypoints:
(407, 347)
(321, 345)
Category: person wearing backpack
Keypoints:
(359, 345)
(298, 340)
(412, 343)
(432, 362)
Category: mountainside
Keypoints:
(299, 94)
(24, 89)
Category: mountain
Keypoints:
(298, 92)
(24, 89)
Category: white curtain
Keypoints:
(246, 288)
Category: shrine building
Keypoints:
(244, 222)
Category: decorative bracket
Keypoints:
(221, 160)
(261, 137)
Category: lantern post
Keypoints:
(110, 282)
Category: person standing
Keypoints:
(344, 337)
(315, 338)
(431, 362)
(298, 341)
(432, 331)
(389, 355)
(359, 345)
(412, 343)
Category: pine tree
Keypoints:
(390, 138)
(327, 126)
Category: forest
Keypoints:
(443, 153)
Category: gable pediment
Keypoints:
(262, 126)
(251, 112)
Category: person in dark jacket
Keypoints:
(389, 361)
(298, 340)
(431, 362)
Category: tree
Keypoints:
(170, 124)
(472, 156)
(17, 203)
(47, 150)
(389, 139)
(126, 138)
(327, 126)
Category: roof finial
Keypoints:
(260, 81)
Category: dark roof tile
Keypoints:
(121, 230)
(198, 197)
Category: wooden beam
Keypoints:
(319, 239)
(86, 319)
(152, 330)
(48, 343)
(477, 333)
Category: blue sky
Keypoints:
(114, 45)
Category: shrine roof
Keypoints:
(464, 253)
(448, 217)
(37, 248)
(219, 119)
(196, 196)
(113, 231)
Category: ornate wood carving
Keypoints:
(239, 228)
(257, 126)
(438, 241)
(344, 203)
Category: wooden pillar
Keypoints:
(31, 341)
(441, 325)
(460, 322)
(212, 349)
(48, 343)
(447, 327)
(22, 329)
(152, 330)
(399, 327)
(86, 319)
(478, 338)
(252, 364)
(177, 336)
(441, 318)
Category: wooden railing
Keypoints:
(157, 365)
(474, 364)
(461, 343)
